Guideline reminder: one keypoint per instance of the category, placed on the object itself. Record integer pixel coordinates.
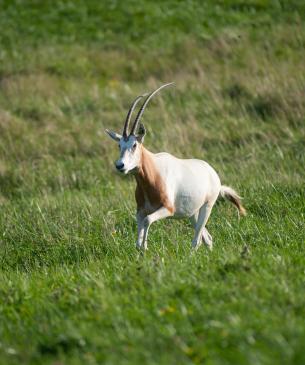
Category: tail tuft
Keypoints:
(233, 197)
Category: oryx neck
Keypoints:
(150, 185)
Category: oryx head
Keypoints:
(130, 143)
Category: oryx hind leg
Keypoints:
(201, 233)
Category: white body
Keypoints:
(192, 187)
(189, 183)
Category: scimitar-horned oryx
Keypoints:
(168, 186)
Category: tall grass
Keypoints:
(73, 289)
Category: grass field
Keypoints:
(72, 288)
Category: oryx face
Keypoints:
(130, 152)
(130, 143)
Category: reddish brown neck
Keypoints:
(150, 185)
(147, 172)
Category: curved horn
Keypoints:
(131, 109)
(141, 111)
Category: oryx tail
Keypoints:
(233, 197)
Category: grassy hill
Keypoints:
(73, 288)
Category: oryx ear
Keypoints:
(141, 133)
(113, 135)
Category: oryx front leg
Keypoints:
(201, 233)
(140, 223)
(151, 218)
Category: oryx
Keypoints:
(168, 186)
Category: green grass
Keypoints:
(73, 289)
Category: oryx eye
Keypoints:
(134, 146)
